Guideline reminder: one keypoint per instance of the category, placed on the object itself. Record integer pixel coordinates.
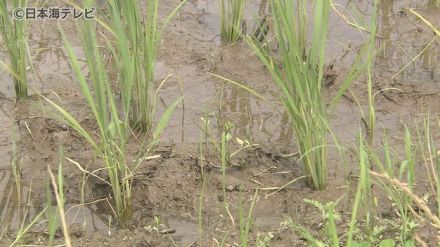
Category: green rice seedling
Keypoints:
(300, 82)
(231, 24)
(58, 188)
(52, 216)
(138, 37)
(114, 131)
(13, 33)
(245, 221)
(300, 79)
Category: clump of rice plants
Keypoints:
(300, 80)
(231, 13)
(13, 33)
(113, 124)
(138, 37)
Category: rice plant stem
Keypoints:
(231, 14)
(60, 204)
(14, 37)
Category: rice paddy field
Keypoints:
(221, 123)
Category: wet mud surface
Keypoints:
(168, 191)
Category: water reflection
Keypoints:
(17, 212)
(253, 118)
(234, 106)
(262, 8)
(405, 46)
(385, 29)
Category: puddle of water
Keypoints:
(7, 198)
(13, 210)
(84, 219)
(238, 106)
(5, 142)
(403, 37)
(267, 223)
(186, 232)
(88, 218)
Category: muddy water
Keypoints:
(239, 64)
(8, 203)
(191, 48)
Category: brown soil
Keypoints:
(169, 188)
